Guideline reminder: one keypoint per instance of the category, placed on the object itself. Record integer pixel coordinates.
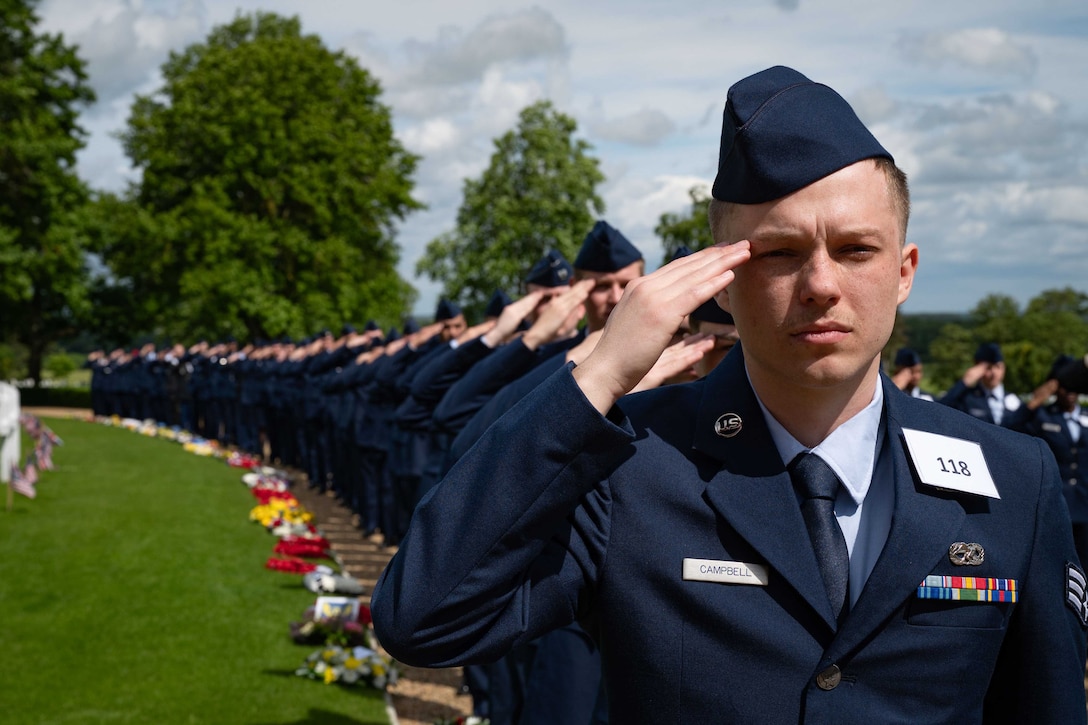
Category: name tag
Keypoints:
(950, 463)
(725, 572)
(1052, 427)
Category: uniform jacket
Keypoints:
(1049, 424)
(972, 400)
(560, 514)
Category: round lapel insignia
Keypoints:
(727, 425)
(964, 554)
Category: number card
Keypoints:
(950, 463)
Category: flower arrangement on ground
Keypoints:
(355, 666)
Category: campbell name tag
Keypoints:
(950, 463)
(725, 572)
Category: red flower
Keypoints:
(311, 540)
(264, 495)
(364, 615)
(292, 566)
(300, 548)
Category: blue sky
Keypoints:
(981, 103)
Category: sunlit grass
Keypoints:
(134, 591)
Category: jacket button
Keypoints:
(830, 678)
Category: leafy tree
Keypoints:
(996, 318)
(949, 355)
(42, 269)
(538, 193)
(271, 183)
(689, 228)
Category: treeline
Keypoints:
(1054, 322)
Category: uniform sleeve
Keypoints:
(955, 395)
(509, 544)
(483, 381)
(1040, 672)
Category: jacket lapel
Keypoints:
(923, 525)
(752, 491)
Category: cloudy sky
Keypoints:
(982, 103)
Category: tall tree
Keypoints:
(538, 193)
(271, 183)
(43, 274)
(688, 228)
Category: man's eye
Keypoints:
(774, 253)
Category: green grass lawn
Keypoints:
(134, 591)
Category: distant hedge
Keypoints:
(55, 397)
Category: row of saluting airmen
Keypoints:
(378, 419)
(381, 421)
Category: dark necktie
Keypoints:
(818, 485)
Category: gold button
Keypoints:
(830, 678)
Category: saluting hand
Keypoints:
(649, 313)
(511, 318)
(675, 359)
(974, 373)
(475, 331)
(560, 317)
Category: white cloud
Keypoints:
(984, 49)
(125, 45)
(457, 57)
(436, 134)
(641, 128)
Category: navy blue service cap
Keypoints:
(989, 352)
(781, 132)
(347, 329)
(1057, 369)
(710, 312)
(552, 270)
(410, 325)
(499, 300)
(392, 335)
(906, 358)
(371, 325)
(606, 250)
(446, 310)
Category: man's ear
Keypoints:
(722, 298)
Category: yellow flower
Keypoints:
(330, 675)
(351, 663)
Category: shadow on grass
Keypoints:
(317, 716)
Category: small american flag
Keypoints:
(20, 484)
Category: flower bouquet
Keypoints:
(351, 630)
(355, 666)
(236, 459)
(290, 565)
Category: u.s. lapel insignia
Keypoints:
(964, 554)
(727, 425)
